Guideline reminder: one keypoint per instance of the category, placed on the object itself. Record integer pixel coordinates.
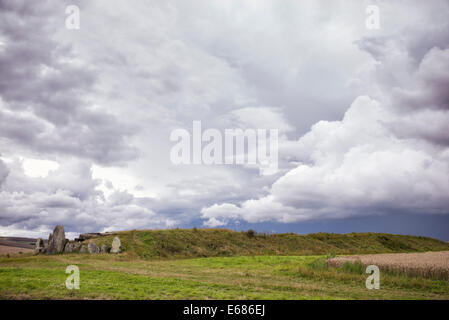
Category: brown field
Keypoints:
(425, 264)
(9, 250)
(15, 245)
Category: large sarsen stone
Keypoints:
(92, 247)
(39, 246)
(56, 240)
(116, 245)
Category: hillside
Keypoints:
(19, 242)
(189, 243)
(16, 245)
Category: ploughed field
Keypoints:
(223, 264)
(16, 245)
(10, 249)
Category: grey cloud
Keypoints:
(20, 127)
(358, 167)
(35, 76)
(74, 177)
(3, 172)
(68, 196)
(410, 74)
(430, 83)
(112, 92)
(385, 155)
(416, 126)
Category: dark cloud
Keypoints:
(3, 172)
(411, 73)
(37, 77)
(430, 83)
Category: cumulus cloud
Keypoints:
(352, 167)
(388, 154)
(428, 88)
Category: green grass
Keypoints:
(121, 276)
(221, 264)
(190, 243)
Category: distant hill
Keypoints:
(188, 243)
(18, 242)
(16, 245)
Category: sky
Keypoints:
(362, 115)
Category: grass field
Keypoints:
(197, 264)
(254, 277)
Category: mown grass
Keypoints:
(190, 243)
(124, 276)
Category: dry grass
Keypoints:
(425, 264)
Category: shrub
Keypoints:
(251, 233)
(318, 264)
(353, 267)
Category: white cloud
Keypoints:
(38, 168)
(388, 154)
(213, 223)
(352, 167)
(261, 118)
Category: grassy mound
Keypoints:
(190, 243)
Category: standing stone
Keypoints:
(50, 245)
(59, 239)
(39, 246)
(56, 240)
(83, 249)
(69, 247)
(92, 247)
(76, 246)
(116, 245)
(104, 248)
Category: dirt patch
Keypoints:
(426, 264)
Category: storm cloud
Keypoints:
(86, 115)
(45, 101)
